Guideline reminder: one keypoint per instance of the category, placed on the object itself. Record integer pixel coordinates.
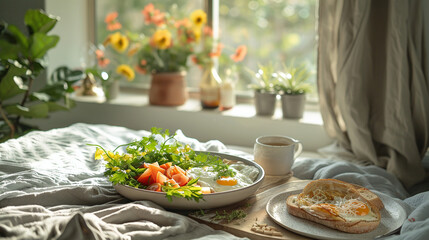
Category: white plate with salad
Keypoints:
(161, 169)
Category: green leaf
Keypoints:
(40, 96)
(11, 84)
(9, 50)
(41, 43)
(35, 111)
(20, 37)
(56, 107)
(39, 21)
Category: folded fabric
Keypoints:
(52, 188)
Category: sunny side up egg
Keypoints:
(245, 176)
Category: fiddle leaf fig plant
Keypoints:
(21, 62)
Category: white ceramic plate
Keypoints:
(212, 200)
(392, 217)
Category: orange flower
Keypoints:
(158, 18)
(140, 67)
(152, 15)
(111, 17)
(218, 51)
(147, 11)
(112, 23)
(99, 53)
(239, 54)
(184, 22)
(207, 30)
(194, 59)
(101, 60)
(114, 26)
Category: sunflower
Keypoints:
(161, 39)
(126, 71)
(119, 42)
(199, 17)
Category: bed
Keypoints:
(52, 188)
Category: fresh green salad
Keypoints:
(159, 163)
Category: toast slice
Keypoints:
(369, 196)
(320, 202)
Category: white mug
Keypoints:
(276, 154)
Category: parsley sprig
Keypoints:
(125, 168)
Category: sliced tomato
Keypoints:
(173, 183)
(144, 177)
(166, 166)
(181, 178)
(155, 168)
(179, 169)
(169, 171)
(144, 165)
(154, 187)
(173, 170)
(161, 178)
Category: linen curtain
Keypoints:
(373, 81)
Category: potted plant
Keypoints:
(165, 54)
(264, 92)
(21, 63)
(292, 87)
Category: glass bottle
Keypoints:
(210, 88)
(227, 92)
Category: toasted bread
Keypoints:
(369, 196)
(337, 205)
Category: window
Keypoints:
(276, 31)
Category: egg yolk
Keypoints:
(329, 208)
(358, 207)
(227, 181)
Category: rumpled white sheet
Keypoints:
(378, 180)
(52, 188)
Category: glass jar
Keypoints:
(210, 88)
(227, 92)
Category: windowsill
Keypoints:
(239, 126)
(243, 109)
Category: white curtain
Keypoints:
(373, 81)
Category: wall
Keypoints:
(75, 31)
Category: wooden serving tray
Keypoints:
(254, 208)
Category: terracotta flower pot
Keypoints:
(168, 89)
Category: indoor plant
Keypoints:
(292, 87)
(265, 94)
(165, 54)
(21, 63)
(214, 90)
(115, 57)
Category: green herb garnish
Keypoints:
(160, 147)
(230, 216)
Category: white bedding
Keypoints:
(51, 188)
